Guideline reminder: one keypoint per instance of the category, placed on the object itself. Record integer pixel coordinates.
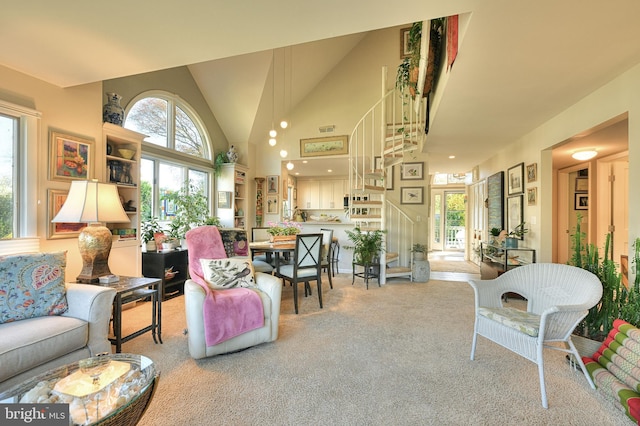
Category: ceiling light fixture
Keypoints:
(584, 155)
(272, 141)
(283, 153)
(451, 157)
(272, 132)
(289, 165)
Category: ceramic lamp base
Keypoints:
(94, 243)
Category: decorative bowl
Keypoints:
(127, 154)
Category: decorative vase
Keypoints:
(511, 242)
(112, 112)
(232, 154)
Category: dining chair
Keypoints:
(259, 234)
(306, 266)
(327, 241)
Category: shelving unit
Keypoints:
(231, 202)
(125, 174)
(500, 259)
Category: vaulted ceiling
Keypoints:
(520, 63)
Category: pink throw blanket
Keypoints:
(227, 313)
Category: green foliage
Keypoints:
(149, 228)
(145, 199)
(419, 248)
(192, 209)
(221, 158)
(630, 311)
(495, 231)
(519, 231)
(366, 245)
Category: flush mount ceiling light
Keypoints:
(584, 155)
(289, 165)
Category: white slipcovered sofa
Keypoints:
(38, 343)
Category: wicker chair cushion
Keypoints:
(614, 367)
(517, 319)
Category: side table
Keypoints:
(155, 264)
(370, 270)
(130, 289)
(421, 270)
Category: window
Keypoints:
(175, 154)
(19, 128)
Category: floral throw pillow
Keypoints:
(228, 273)
(32, 285)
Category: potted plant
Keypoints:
(191, 210)
(283, 230)
(418, 251)
(367, 245)
(148, 229)
(515, 235)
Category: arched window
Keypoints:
(175, 155)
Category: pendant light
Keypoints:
(272, 132)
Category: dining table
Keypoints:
(273, 250)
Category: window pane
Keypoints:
(8, 140)
(199, 180)
(171, 179)
(146, 188)
(149, 116)
(188, 139)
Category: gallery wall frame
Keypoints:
(224, 199)
(412, 171)
(56, 199)
(515, 212)
(582, 184)
(272, 204)
(532, 172)
(532, 196)
(70, 157)
(328, 145)
(515, 179)
(273, 183)
(412, 195)
(495, 200)
(404, 43)
(581, 201)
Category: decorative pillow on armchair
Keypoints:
(32, 285)
(228, 273)
(235, 242)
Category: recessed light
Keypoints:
(329, 170)
(451, 157)
(584, 155)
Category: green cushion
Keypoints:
(517, 319)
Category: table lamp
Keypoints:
(93, 203)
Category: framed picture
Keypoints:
(412, 195)
(515, 179)
(582, 184)
(56, 199)
(388, 181)
(514, 212)
(404, 43)
(495, 200)
(272, 205)
(412, 171)
(70, 157)
(329, 145)
(532, 172)
(582, 202)
(272, 184)
(224, 199)
(532, 196)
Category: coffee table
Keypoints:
(119, 399)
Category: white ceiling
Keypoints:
(520, 63)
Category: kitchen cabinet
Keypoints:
(321, 195)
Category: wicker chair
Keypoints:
(558, 298)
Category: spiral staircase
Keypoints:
(385, 136)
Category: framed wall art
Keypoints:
(495, 197)
(514, 212)
(70, 157)
(272, 205)
(582, 184)
(412, 171)
(412, 195)
(272, 184)
(404, 43)
(532, 196)
(329, 145)
(515, 179)
(532, 172)
(56, 199)
(224, 199)
(388, 181)
(582, 202)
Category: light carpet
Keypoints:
(391, 355)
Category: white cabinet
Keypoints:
(122, 168)
(232, 201)
(321, 195)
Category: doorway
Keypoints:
(448, 218)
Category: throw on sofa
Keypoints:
(43, 322)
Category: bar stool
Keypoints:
(335, 256)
